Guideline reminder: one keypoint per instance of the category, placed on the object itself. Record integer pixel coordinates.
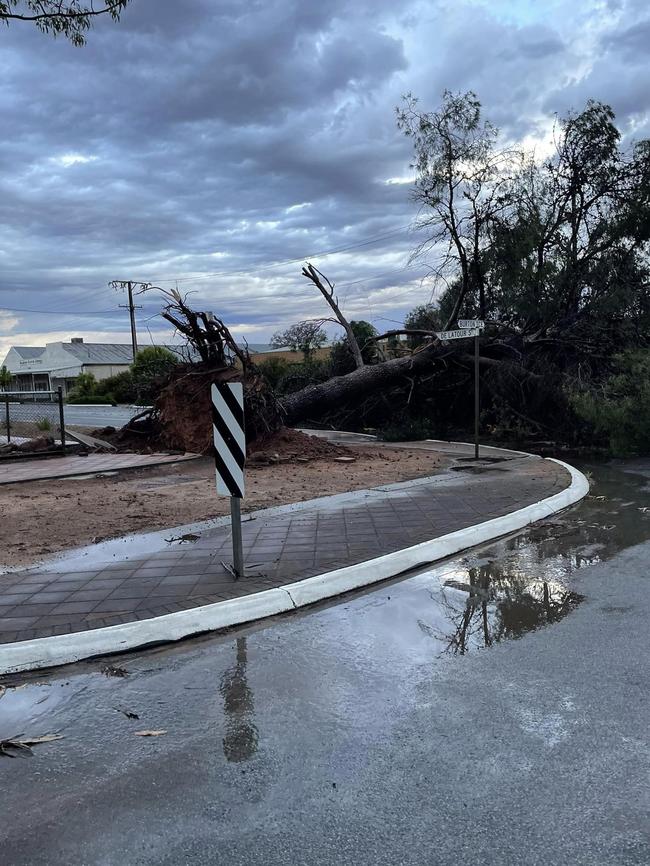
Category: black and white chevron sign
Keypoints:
(229, 438)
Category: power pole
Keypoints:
(129, 285)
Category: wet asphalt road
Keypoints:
(75, 416)
(379, 730)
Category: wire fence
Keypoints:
(31, 423)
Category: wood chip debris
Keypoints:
(150, 733)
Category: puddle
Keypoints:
(523, 583)
(484, 605)
(26, 703)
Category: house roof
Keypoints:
(100, 353)
(114, 353)
(28, 353)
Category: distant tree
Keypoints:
(5, 378)
(425, 317)
(68, 18)
(302, 337)
(343, 357)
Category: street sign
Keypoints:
(229, 437)
(230, 458)
(471, 323)
(459, 334)
(469, 328)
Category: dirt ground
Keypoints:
(41, 518)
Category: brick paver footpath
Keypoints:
(322, 536)
(76, 464)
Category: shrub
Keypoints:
(407, 429)
(298, 376)
(120, 387)
(151, 366)
(274, 370)
(619, 409)
(43, 424)
(90, 399)
(84, 386)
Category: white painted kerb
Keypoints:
(62, 649)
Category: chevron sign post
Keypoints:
(230, 457)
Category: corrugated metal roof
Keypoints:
(29, 352)
(110, 353)
(100, 353)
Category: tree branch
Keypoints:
(316, 277)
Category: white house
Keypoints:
(45, 368)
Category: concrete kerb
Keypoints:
(63, 649)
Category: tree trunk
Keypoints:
(314, 400)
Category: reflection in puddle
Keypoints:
(485, 606)
(240, 741)
(27, 702)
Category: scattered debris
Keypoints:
(128, 713)
(149, 733)
(114, 671)
(229, 568)
(644, 509)
(13, 747)
(181, 539)
(345, 459)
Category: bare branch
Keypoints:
(327, 291)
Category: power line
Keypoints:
(65, 312)
(242, 272)
(257, 270)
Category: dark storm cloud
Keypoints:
(239, 134)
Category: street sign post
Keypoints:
(473, 327)
(230, 457)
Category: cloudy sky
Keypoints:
(218, 147)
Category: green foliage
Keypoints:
(5, 378)
(71, 19)
(619, 409)
(90, 399)
(425, 317)
(302, 337)
(43, 424)
(408, 430)
(150, 368)
(341, 358)
(84, 386)
(274, 370)
(309, 372)
(542, 247)
(120, 388)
